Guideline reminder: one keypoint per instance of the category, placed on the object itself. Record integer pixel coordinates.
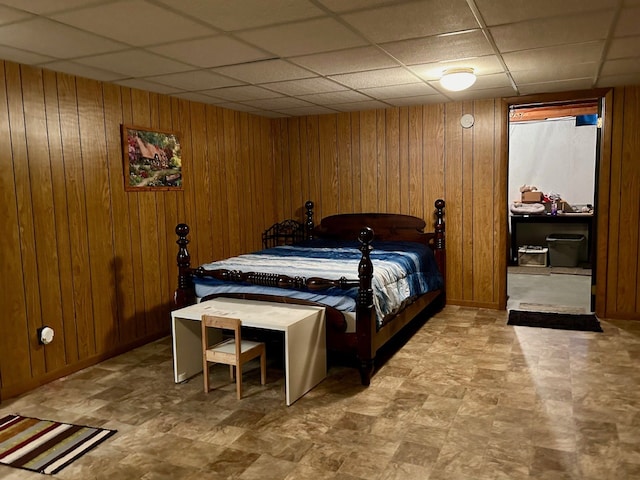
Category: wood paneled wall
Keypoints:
(401, 160)
(98, 264)
(618, 230)
(85, 257)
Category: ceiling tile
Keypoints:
(194, 80)
(497, 12)
(135, 22)
(197, 97)
(559, 86)
(141, 84)
(624, 47)
(482, 93)
(311, 110)
(487, 65)
(356, 106)
(496, 80)
(83, 70)
(348, 5)
(54, 39)
(264, 71)
(376, 78)
(619, 80)
(344, 61)
(242, 93)
(20, 56)
(135, 63)
(395, 91)
(10, 15)
(557, 71)
(628, 23)
(305, 86)
(418, 100)
(279, 103)
(243, 14)
(301, 38)
(211, 51)
(441, 47)
(414, 19)
(240, 107)
(43, 7)
(552, 31)
(330, 98)
(621, 66)
(558, 55)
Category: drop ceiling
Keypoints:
(280, 58)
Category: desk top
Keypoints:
(258, 314)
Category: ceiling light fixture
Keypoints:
(456, 79)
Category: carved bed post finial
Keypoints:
(364, 306)
(309, 219)
(185, 294)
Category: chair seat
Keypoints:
(229, 346)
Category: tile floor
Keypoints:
(467, 397)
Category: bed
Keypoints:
(373, 272)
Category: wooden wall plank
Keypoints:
(345, 162)
(14, 341)
(415, 162)
(356, 155)
(76, 203)
(628, 238)
(122, 265)
(103, 320)
(380, 162)
(328, 156)
(23, 189)
(45, 245)
(136, 326)
(368, 161)
(61, 221)
(391, 159)
(453, 182)
(403, 158)
(483, 202)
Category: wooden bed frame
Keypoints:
(366, 227)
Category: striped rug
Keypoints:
(44, 446)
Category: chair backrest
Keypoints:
(226, 323)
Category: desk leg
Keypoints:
(305, 356)
(187, 348)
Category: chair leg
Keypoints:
(239, 381)
(231, 372)
(263, 368)
(205, 374)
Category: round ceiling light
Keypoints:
(456, 79)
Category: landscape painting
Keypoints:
(152, 159)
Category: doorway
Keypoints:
(553, 156)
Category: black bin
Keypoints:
(564, 249)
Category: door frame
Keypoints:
(599, 243)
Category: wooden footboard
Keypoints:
(368, 338)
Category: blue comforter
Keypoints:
(401, 272)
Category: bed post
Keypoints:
(364, 308)
(185, 294)
(440, 250)
(308, 225)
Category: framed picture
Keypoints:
(152, 159)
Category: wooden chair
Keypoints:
(233, 352)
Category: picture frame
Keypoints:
(152, 159)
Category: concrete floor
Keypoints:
(546, 291)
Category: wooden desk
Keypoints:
(304, 338)
(557, 222)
